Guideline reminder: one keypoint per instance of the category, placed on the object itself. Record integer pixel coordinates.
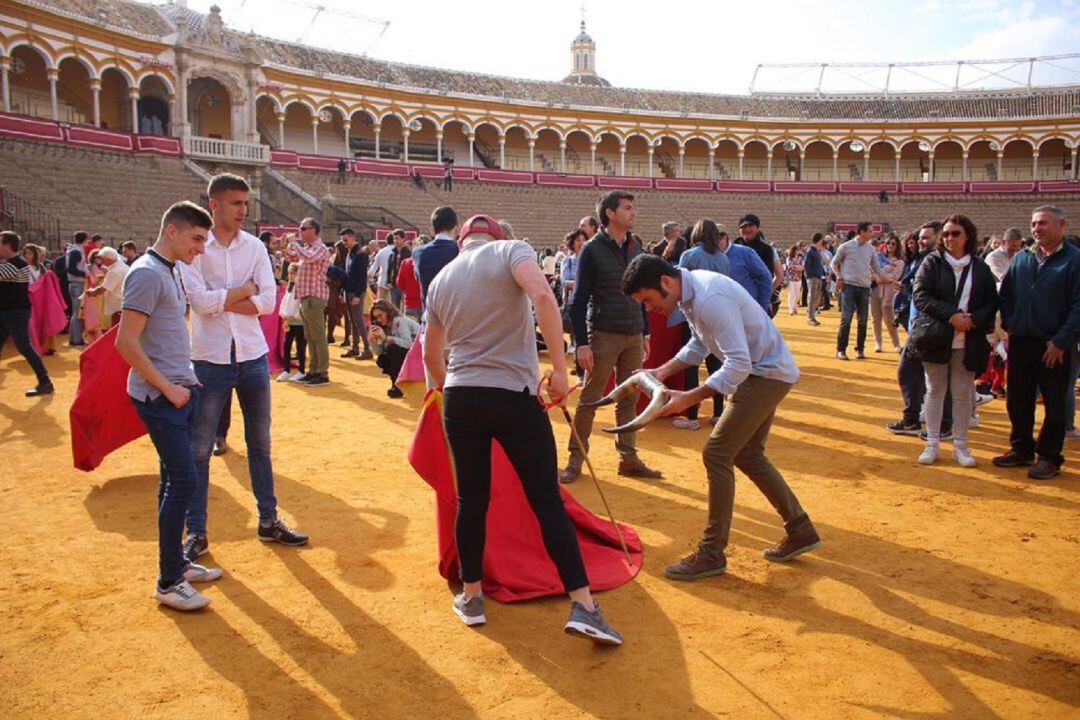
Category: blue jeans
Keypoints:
(75, 326)
(170, 430)
(251, 380)
(853, 299)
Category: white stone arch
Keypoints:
(229, 81)
(273, 98)
(37, 45)
(170, 86)
(287, 103)
(123, 70)
(86, 62)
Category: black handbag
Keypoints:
(928, 334)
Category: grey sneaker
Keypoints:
(470, 611)
(591, 625)
(181, 596)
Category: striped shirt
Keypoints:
(15, 284)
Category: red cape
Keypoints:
(516, 566)
(102, 416)
(274, 334)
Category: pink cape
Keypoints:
(48, 312)
(412, 370)
(516, 566)
(275, 334)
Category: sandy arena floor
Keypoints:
(939, 592)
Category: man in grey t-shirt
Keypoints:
(856, 267)
(480, 306)
(153, 338)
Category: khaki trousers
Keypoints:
(313, 315)
(624, 355)
(738, 440)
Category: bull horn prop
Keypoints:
(644, 382)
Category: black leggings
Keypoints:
(295, 332)
(473, 417)
(390, 361)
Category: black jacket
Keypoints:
(935, 292)
(598, 300)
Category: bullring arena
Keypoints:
(939, 591)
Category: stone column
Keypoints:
(799, 170)
(347, 127)
(405, 132)
(5, 87)
(650, 150)
(622, 158)
(964, 166)
(1076, 156)
(438, 145)
(315, 134)
(1035, 166)
(95, 90)
(562, 156)
(472, 153)
(502, 152)
(252, 107)
(280, 129)
(682, 155)
(133, 94)
(378, 149)
(532, 148)
(897, 172)
(866, 164)
(742, 154)
(712, 164)
(1000, 168)
(933, 169)
(184, 124)
(768, 165)
(835, 170)
(54, 75)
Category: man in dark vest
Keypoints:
(750, 230)
(610, 329)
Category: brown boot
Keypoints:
(695, 566)
(571, 472)
(634, 467)
(790, 547)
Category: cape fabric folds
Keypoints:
(516, 566)
(48, 313)
(274, 334)
(102, 416)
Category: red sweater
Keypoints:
(407, 283)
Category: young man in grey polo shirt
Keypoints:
(856, 267)
(153, 338)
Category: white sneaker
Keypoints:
(877, 347)
(929, 455)
(283, 377)
(963, 457)
(974, 422)
(295, 377)
(200, 573)
(982, 399)
(683, 423)
(181, 596)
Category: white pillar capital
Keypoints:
(95, 83)
(682, 150)
(315, 121)
(52, 73)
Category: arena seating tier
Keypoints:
(545, 214)
(120, 195)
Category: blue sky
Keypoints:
(684, 45)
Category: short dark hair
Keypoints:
(610, 201)
(347, 231)
(128, 244)
(398, 232)
(816, 238)
(931, 225)
(863, 226)
(572, 236)
(443, 219)
(79, 238)
(225, 182)
(186, 214)
(96, 236)
(644, 273)
(11, 239)
(593, 221)
(266, 236)
(971, 242)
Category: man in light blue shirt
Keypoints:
(748, 270)
(757, 373)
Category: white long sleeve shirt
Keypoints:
(382, 264)
(207, 281)
(726, 322)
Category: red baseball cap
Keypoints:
(480, 224)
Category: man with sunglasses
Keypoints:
(313, 292)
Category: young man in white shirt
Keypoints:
(228, 287)
(381, 265)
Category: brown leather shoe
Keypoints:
(570, 473)
(696, 566)
(1043, 470)
(634, 467)
(790, 546)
